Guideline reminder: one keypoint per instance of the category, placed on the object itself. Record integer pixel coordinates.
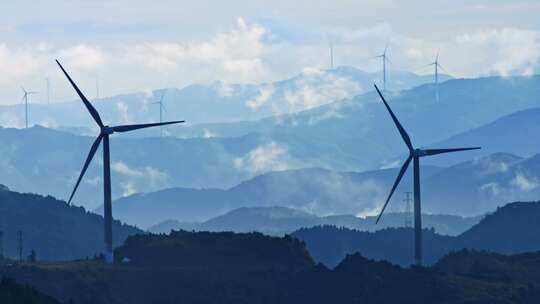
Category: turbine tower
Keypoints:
(385, 59)
(48, 83)
(331, 46)
(25, 98)
(106, 131)
(160, 103)
(437, 66)
(414, 154)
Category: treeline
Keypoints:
(51, 228)
(187, 267)
(511, 229)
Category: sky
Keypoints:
(135, 45)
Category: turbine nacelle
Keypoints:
(106, 130)
(419, 153)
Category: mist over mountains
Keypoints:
(282, 220)
(214, 102)
(470, 188)
(357, 136)
(511, 229)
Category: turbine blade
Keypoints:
(93, 149)
(162, 96)
(87, 103)
(428, 152)
(402, 131)
(396, 183)
(127, 128)
(441, 67)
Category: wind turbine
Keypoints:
(414, 155)
(25, 98)
(437, 66)
(160, 102)
(105, 132)
(384, 58)
(48, 85)
(331, 47)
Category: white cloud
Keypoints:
(208, 134)
(523, 183)
(265, 94)
(493, 188)
(319, 88)
(83, 57)
(269, 157)
(147, 175)
(249, 52)
(128, 188)
(501, 51)
(123, 111)
(232, 55)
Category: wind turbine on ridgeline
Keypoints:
(331, 47)
(437, 66)
(414, 155)
(160, 103)
(385, 59)
(25, 98)
(105, 132)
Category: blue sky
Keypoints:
(140, 45)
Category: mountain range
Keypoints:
(512, 229)
(282, 220)
(51, 228)
(360, 138)
(214, 102)
(473, 187)
(358, 134)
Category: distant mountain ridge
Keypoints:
(214, 102)
(471, 188)
(54, 230)
(359, 132)
(512, 229)
(350, 135)
(281, 220)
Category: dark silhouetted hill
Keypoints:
(283, 274)
(13, 293)
(512, 229)
(53, 229)
(215, 250)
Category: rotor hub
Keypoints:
(419, 152)
(106, 130)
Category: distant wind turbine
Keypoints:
(385, 59)
(48, 84)
(105, 132)
(25, 98)
(437, 66)
(414, 155)
(160, 103)
(331, 46)
(97, 86)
